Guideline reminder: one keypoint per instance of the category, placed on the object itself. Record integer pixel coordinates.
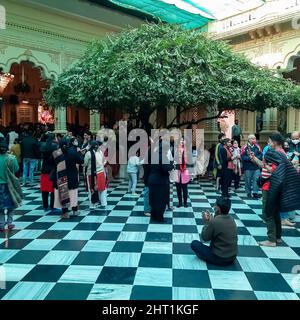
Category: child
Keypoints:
(237, 164)
(133, 170)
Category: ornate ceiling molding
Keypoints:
(44, 32)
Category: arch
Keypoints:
(46, 73)
(289, 59)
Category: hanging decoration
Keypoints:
(22, 87)
(5, 79)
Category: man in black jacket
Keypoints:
(283, 195)
(226, 174)
(30, 155)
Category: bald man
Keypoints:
(295, 143)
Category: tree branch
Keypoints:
(192, 122)
(170, 125)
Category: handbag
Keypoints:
(173, 176)
(13, 183)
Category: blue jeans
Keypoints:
(204, 252)
(29, 166)
(9, 220)
(251, 177)
(132, 182)
(147, 207)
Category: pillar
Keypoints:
(247, 121)
(94, 121)
(60, 120)
(293, 120)
(211, 131)
(269, 124)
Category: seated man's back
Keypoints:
(222, 232)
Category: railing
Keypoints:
(272, 10)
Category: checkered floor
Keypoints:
(118, 254)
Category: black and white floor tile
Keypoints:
(118, 254)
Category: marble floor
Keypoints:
(118, 254)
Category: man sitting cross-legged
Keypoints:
(221, 231)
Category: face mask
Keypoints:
(286, 148)
(75, 143)
(295, 141)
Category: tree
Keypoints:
(159, 66)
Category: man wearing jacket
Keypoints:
(218, 160)
(293, 150)
(294, 145)
(283, 195)
(251, 169)
(29, 154)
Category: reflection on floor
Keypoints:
(117, 254)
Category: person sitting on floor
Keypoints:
(221, 231)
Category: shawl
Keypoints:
(62, 178)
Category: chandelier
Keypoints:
(5, 79)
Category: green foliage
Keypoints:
(159, 66)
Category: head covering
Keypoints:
(93, 144)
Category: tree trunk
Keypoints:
(144, 116)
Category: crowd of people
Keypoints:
(63, 160)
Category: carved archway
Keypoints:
(28, 56)
(290, 58)
(24, 95)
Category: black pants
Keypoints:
(45, 197)
(226, 181)
(204, 252)
(74, 209)
(158, 200)
(236, 178)
(182, 190)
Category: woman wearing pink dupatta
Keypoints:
(183, 176)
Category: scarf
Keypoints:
(93, 170)
(62, 178)
(182, 156)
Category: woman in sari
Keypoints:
(65, 178)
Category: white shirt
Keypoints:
(100, 161)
